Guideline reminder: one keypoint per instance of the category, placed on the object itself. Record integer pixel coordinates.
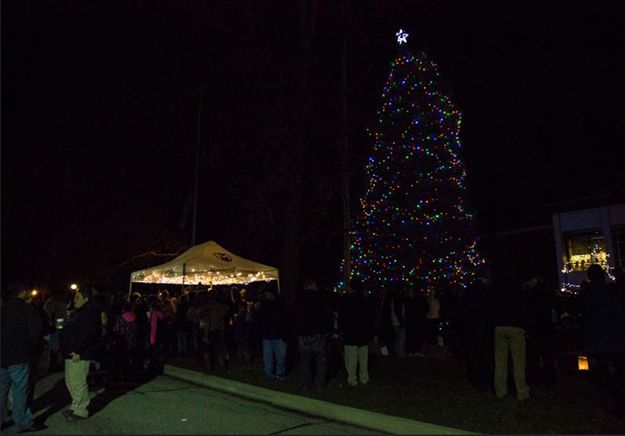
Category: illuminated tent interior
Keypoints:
(206, 264)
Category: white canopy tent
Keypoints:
(207, 264)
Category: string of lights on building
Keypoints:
(580, 262)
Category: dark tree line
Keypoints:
(100, 117)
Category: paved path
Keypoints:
(170, 406)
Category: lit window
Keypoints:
(583, 249)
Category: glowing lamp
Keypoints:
(73, 286)
(582, 363)
(34, 292)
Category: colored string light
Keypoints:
(414, 224)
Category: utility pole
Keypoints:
(345, 154)
(197, 164)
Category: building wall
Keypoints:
(529, 250)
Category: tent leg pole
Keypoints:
(130, 289)
(278, 286)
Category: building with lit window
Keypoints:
(587, 236)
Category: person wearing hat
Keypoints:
(21, 329)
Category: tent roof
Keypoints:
(207, 263)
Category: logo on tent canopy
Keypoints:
(223, 256)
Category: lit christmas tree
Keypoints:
(414, 225)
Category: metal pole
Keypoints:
(130, 288)
(197, 165)
(345, 155)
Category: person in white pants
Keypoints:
(80, 341)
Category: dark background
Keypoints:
(100, 115)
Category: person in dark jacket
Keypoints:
(356, 323)
(540, 361)
(21, 330)
(242, 326)
(509, 311)
(125, 341)
(80, 343)
(140, 309)
(603, 325)
(55, 309)
(479, 330)
(416, 307)
(217, 311)
(312, 322)
(182, 326)
(157, 337)
(273, 326)
(619, 286)
(40, 348)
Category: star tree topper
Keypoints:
(402, 37)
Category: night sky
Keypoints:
(100, 115)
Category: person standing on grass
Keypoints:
(540, 360)
(273, 327)
(356, 325)
(479, 330)
(334, 347)
(416, 309)
(384, 322)
(80, 343)
(619, 286)
(398, 314)
(157, 336)
(197, 316)
(182, 326)
(312, 322)
(242, 332)
(168, 304)
(21, 330)
(603, 326)
(433, 317)
(217, 311)
(509, 312)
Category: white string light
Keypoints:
(214, 277)
(596, 256)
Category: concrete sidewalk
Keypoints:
(349, 415)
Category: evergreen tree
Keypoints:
(415, 225)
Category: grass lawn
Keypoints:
(434, 390)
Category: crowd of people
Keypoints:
(127, 336)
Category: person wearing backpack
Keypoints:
(125, 341)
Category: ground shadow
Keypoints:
(58, 398)
(112, 388)
(53, 400)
